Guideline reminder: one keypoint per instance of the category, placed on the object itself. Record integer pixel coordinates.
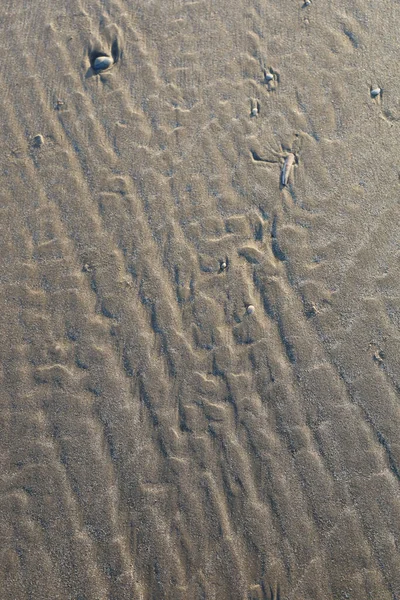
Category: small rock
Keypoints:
(102, 62)
(375, 92)
(269, 77)
(254, 111)
(223, 265)
(38, 141)
(250, 309)
(307, 2)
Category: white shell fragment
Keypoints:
(287, 167)
(269, 76)
(102, 62)
(375, 92)
(250, 309)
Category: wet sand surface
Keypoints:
(200, 316)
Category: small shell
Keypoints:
(375, 92)
(223, 265)
(38, 141)
(269, 77)
(102, 62)
(287, 167)
(250, 309)
(307, 2)
(254, 111)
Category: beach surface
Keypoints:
(200, 307)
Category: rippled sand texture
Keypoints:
(158, 441)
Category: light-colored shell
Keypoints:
(268, 77)
(102, 62)
(287, 167)
(250, 309)
(376, 92)
(254, 111)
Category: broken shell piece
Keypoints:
(375, 92)
(250, 309)
(102, 62)
(379, 356)
(287, 167)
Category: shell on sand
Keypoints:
(38, 141)
(375, 92)
(102, 62)
(287, 167)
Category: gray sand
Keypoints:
(200, 356)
